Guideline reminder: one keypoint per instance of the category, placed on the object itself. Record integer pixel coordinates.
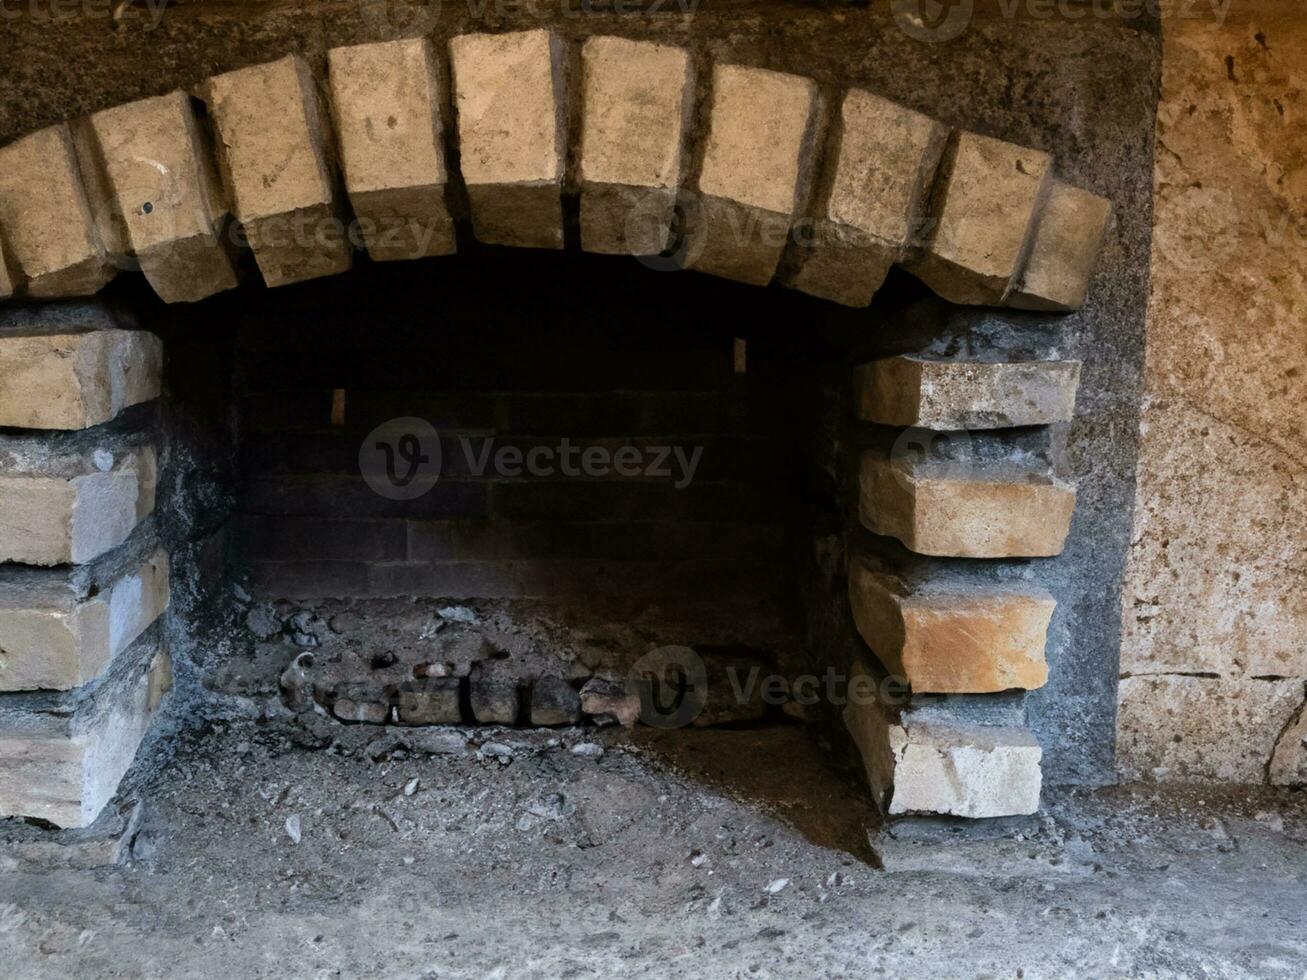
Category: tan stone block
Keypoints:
(74, 508)
(52, 638)
(755, 170)
(636, 100)
(63, 756)
(49, 227)
(1067, 241)
(386, 104)
(512, 134)
(948, 769)
(966, 511)
(1179, 728)
(273, 156)
(953, 639)
(76, 380)
(167, 193)
(944, 395)
(988, 196)
(881, 162)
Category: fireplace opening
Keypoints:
(497, 489)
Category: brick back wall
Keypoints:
(519, 354)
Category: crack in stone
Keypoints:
(1289, 726)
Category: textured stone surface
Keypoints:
(1289, 759)
(943, 395)
(1175, 727)
(273, 156)
(429, 701)
(554, 702)
(988, 196)
(881, 161)
(1067, 240)
(755, 168)
(72, 508)
(1216, 581)
(952, 637)
(159, 166)
(62, 756)
(385, 100)
(512, 134)
(636, 100)
(48, 224)
(494, 699)
(76, 380)
(933, 767)
(8, 277)
(966, 511)
(52, 638)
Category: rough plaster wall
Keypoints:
(1214, 653)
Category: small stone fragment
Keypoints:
(293, 830)
(411, 786)
(776, 886)
(554, 702)
(605, 695)
(588, 750)
(1067, 241)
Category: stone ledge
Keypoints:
(76, 380)
(70, 505)
(966, 510)
(948, 636)
(62, 756)
(948, 395)
(60, 630)
(934, 767)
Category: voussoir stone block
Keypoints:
(966, 510)
(168, 195)
(755, 169)
(944, 637)
(386, 104)
(48, 223)
(988, 196)
(55, 637)
(944, 395)
(637, 98)
(76, 380)
(65, 507)
(926, 766)
(1067, 241)
(881, 162)
(62, 755)
(512, 134)
(273, 156)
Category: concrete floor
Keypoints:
(713, 853)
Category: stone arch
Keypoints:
(763, 177)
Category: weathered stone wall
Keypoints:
(1214, 655)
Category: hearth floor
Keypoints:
(262, 846)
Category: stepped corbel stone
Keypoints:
(76, 380)
(987, 198)
(48, 223)
(62, 755)
(160, 170)
(636, 99)
(947, 395)
(509, 96)
(274, 162)
(385, 101)
(868, 204)
(57, 632)
(1067, 242)
(952, 636)
(756, 167)
(921, 762)
(61, 504)
(966, 510)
